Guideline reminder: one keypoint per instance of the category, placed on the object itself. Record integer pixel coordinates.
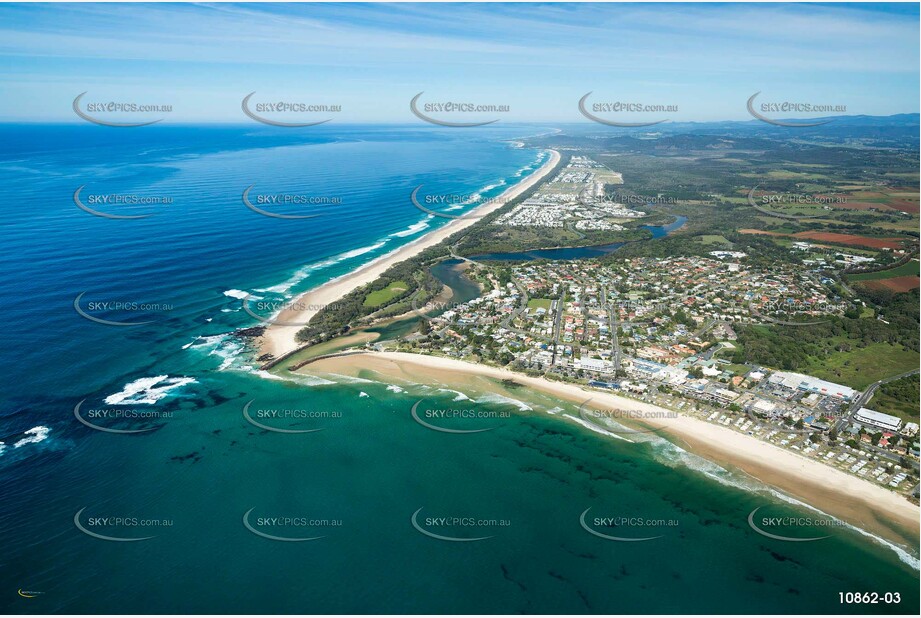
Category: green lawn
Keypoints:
(712, 239)
(539, 303)
(384, 296)
(908, 268)
(860, 367)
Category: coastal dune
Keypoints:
(849, 498)
(280, 338)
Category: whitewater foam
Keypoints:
(495, 398)
(35, 435)
(302, 274)
(459, 395)
(595, 428)
(148, 390)
(240, 295)
(413, 229)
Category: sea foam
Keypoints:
(147, 390)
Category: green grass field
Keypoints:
(712, 239)
(908, 268)
(539, 303)
(860, 367)
(384, 296)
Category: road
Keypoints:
(616, 353)
(557, 322)
(865, 397)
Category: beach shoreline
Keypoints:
(848, 498)
(281, 338)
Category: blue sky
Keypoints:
(538, 59)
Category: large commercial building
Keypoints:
(878, 419)
(799, 381)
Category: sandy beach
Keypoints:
(849, 498)
(280, 338)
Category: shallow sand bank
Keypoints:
(842, 495)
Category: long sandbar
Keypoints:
(280, 338)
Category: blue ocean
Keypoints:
(174, 255)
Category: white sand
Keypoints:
(280, 339)
(852, 499)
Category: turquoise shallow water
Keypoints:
(358, 481)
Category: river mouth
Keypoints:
(578, 253)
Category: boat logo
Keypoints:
(611, 123)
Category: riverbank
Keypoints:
(851, 499)
(281, 338)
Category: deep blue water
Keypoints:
(202, 465)
(187, 254)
